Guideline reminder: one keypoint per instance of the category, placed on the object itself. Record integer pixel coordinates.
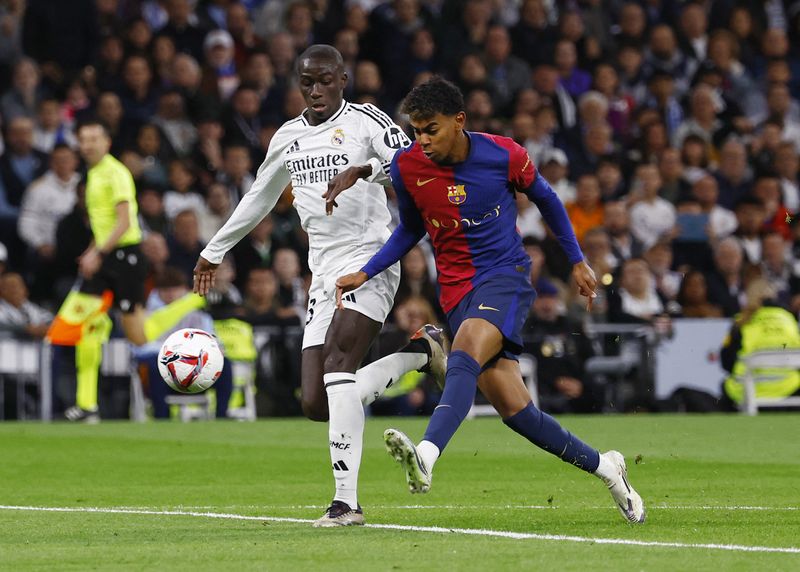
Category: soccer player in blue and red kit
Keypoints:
(459, 187)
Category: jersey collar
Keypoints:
(330, 119)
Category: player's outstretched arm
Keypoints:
(347, 283)
(342, 182)
(205, 275)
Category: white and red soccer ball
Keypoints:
(190, 360)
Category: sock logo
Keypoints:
(339, 446)
(340, 466)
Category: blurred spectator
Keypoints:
(540, 142)
(561, 350)
(721, 221)
(664, 99)
(182, 194)
(693, 297)
(750, 215)
(555, 168)
(632, 25)
(282, 52)
(733, 175)
(219, 74)
(779, 268)
(255, 251)
(262, 305)
(552, 93)
(778, 218)
(702, 120)
(596, 246)
(415, 279)
(695, 158)
(23, 98)
(529, 219)
(173, 122)
(20, 165)
(50, 130)
(235, 174)
(18, 315)
(616, 221)
(183, 28)
(620, 106)
(217, 209)
(186, 77)
(586, 212)
(725, 282)
(575, 80)
(787, 167)
(291, 289)
(693, 31)
(45, 202)
(651, 216)
(184, 242)
(73, 236)
(152, 216)
(636, 298)
(667, 281)
(147, 159)
(508, 73)
(673, 181)
(609, 176)
(139, 98)
(109, 110)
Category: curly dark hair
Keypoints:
(437, 95)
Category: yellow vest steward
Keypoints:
(770, 328)
(237, 339)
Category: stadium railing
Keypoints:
(22, 362)
(755, 361)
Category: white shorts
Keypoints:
(374, 299)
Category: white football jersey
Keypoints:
(309, 156)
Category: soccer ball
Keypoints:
(190, 360)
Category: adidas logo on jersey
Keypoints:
(295, 147)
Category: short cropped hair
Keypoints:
(437, 95)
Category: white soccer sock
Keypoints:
(345, 434)
(374, 379)
(429, 453)
(606, 469)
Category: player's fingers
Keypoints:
(339, 297)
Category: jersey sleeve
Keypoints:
(386, 139)
(407, 234)
(271, 180)
(123, 189)
(525, 178)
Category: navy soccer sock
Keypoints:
(545, 432)
(459, 394)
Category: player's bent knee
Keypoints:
(315, 411)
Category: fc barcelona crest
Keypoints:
(456, 194)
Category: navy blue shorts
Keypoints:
(504, 300)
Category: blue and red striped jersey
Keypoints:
(470, 213)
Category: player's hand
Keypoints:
(341, 183)
(586, 281)
(349, 282)
(205, 276)
(89, 262)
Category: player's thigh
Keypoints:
(479, 338)
(350, 335)
(355, 326)
(313, 398)
(503, 386)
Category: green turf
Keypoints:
(281, 468)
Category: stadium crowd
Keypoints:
(670, 129)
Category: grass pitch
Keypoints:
(709, 480)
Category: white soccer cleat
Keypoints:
(340, 514)
(403, 450)
(439, 346)
(626, 498)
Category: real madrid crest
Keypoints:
(456, 194)
(338, 137)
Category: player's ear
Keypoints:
(461, 119)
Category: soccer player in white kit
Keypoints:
(331, 137)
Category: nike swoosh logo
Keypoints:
(425, 182)
(482, 307)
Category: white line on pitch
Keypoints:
(433, 529)
(492, 507)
